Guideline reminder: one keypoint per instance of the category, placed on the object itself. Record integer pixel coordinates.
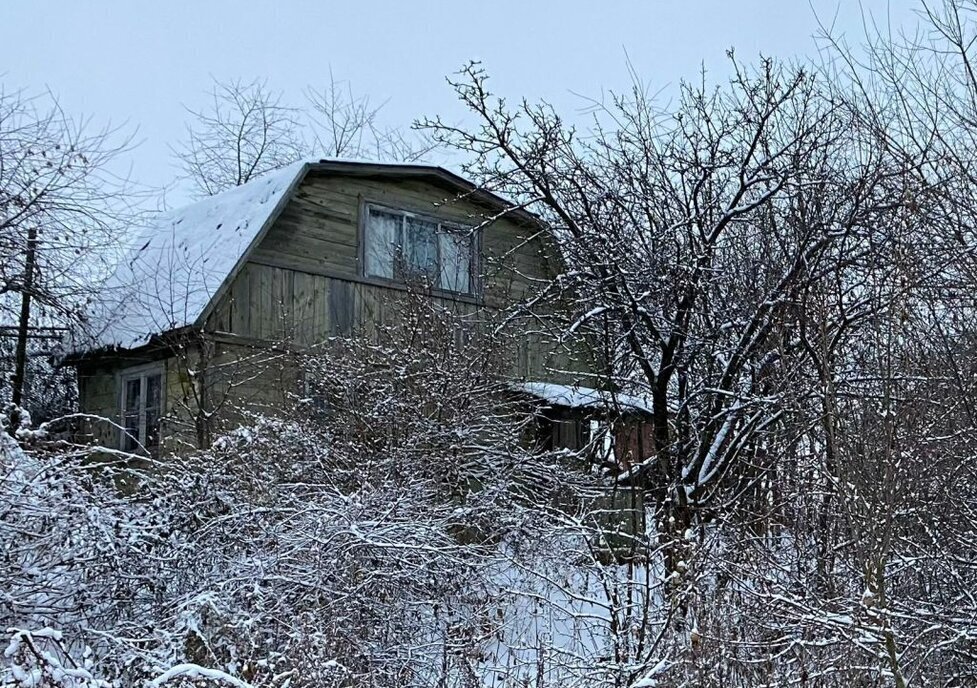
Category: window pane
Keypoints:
(130, 416)
(154, 388)
(152, 429)
(153, 391)
(456, 261)
(382, 238)
(132, 394)
(130, 442)
(421, 247)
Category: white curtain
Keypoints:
(421, 247)
(456, 261)
(382, 237)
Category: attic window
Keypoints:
(405, 247)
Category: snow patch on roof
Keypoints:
(180, 259)
(582, 397)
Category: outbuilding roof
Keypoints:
(578, 397)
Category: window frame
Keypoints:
(142, 373)
(401, 281)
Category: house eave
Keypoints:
(158, 346)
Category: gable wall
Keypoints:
(303, 285)
(318, 232)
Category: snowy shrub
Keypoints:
(392, 529)
(37, 659)
(354, 541)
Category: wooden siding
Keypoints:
(297, 309)
(233, 380)
(303, 285)
(98, 395)
(236, 379)
(318, 232)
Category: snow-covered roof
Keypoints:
(179, 260)
(577, 397)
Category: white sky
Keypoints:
(141, 62)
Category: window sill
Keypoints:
(434, 292)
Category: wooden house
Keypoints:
(208, 293)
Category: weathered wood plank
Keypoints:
(339, 297)
(303, 302)
(239, 303)
(304, 282)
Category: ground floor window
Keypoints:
(142, 400)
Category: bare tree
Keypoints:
(62, 208)
(772, 261)
(244, 132)
(247, 130)
(689, 234)
(345, 124)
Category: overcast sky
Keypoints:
(141, 62)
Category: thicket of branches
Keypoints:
(783, 264)
(396, 528)
(344, 544)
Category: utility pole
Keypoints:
(23, 326)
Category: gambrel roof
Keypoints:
(180, 261)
